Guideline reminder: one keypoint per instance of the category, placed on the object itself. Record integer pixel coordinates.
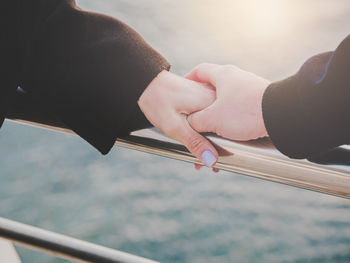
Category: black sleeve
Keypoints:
(86, 69)
(308, 113)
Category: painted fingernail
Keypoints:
(208, 158)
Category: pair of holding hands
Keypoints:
(222, 99)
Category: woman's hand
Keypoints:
(167, 102)
(236, 113)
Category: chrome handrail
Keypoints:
(63, 246)
(258, 159)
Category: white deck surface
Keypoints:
(8, 253)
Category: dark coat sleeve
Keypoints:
(86, 69)
(9, 54)
(308, 113)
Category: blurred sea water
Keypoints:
(163, 209)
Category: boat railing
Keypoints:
(63, 246)
(329, 174)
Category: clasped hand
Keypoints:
(212, 98)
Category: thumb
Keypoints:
(197, 144)
(204, 120)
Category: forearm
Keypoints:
(88, 70)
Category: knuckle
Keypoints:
(230, 66)
(226, 69)
(202, 65)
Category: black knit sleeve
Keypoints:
(309, 113)
(87, 69)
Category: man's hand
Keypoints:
(236, 113)
(167, 102)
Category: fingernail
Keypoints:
(208, 158)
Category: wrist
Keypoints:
(158, 81)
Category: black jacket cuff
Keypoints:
(283, 119)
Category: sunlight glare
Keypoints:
(252, 18)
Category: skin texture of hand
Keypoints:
(236, 113)
(166, 103)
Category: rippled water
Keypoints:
(163, 209)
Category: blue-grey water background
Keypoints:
(163, 209)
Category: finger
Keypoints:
(204, 73)
(204, 120)
(197, 144)
(192, 76)
(195, 97)
(198, 166)
(216, 170)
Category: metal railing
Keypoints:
(258, 159)
(63, 246)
